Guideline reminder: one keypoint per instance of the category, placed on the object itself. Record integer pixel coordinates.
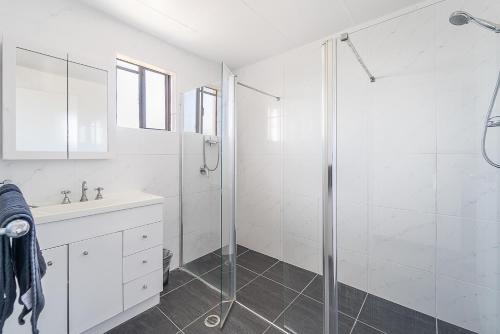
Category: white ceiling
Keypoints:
(241, 32)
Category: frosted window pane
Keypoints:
(127, 99)
(155, 100)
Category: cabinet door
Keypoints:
(34, 104)
(53, 318)
(95, 281)
(87, 111)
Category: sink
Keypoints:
(111, 202)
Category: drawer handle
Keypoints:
(50, 263)
(85, 253)
(144, 261)
(144, 287)
(144, 236)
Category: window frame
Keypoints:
(201, 111)
(141, 72)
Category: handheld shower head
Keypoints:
(459, 18)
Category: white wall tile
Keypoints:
(403, 236)
(352, 268)
(404, 181)
(469, 250)
(469, 306)
(467, 187)
(413, 288)
(352, 226)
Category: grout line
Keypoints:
(166, 316)
(180, 286)
(364, 323)
(318, 301)
(201, 316)
(262, 318)
(296, 297)
(359, 312)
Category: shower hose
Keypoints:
(490, 122)
(205, 142)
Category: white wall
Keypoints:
(279, 157)
(146, 160)
(419, 219)
(201, 199)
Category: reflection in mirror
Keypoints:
(200, 110)
(87, 108)
(40, 102)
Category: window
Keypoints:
(208, 111)
(200, 111)
(143, 97)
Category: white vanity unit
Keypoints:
(104, 263)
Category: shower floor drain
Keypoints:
(212, 320)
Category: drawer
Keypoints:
(142, 263)
(142, 288)
(141, 238)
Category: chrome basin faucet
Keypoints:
(84, 192)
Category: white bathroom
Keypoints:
(250, 166)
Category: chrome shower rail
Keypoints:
(345, 38)
(259, 91)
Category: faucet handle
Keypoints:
(66, 199)
(99, 192)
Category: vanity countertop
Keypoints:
(112, 202)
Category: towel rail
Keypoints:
(15, 229)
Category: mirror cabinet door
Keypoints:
(40, 106)
(87, 111)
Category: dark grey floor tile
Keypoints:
(392, 318)
(273, 330)
(256, 261)
(177, 278)
(303, 316)
(203, 264)
(447, 328)
(242, 249)
(266, 297)
(239, 250)
(239, 321)
(188, 302)
(345, 324)
(315, 289)
(150, 322)
(243, 276)
(350, 299)
(361, 328)
(289, 275)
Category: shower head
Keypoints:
(459, 18)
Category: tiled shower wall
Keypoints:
(419, 220)
(279, 157)
(201, 201)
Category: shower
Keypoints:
(210, 142)
(460, 18)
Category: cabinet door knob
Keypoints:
(85, 253)
(50, 263)
(144, 261)
(144, 287)
(144, 236)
